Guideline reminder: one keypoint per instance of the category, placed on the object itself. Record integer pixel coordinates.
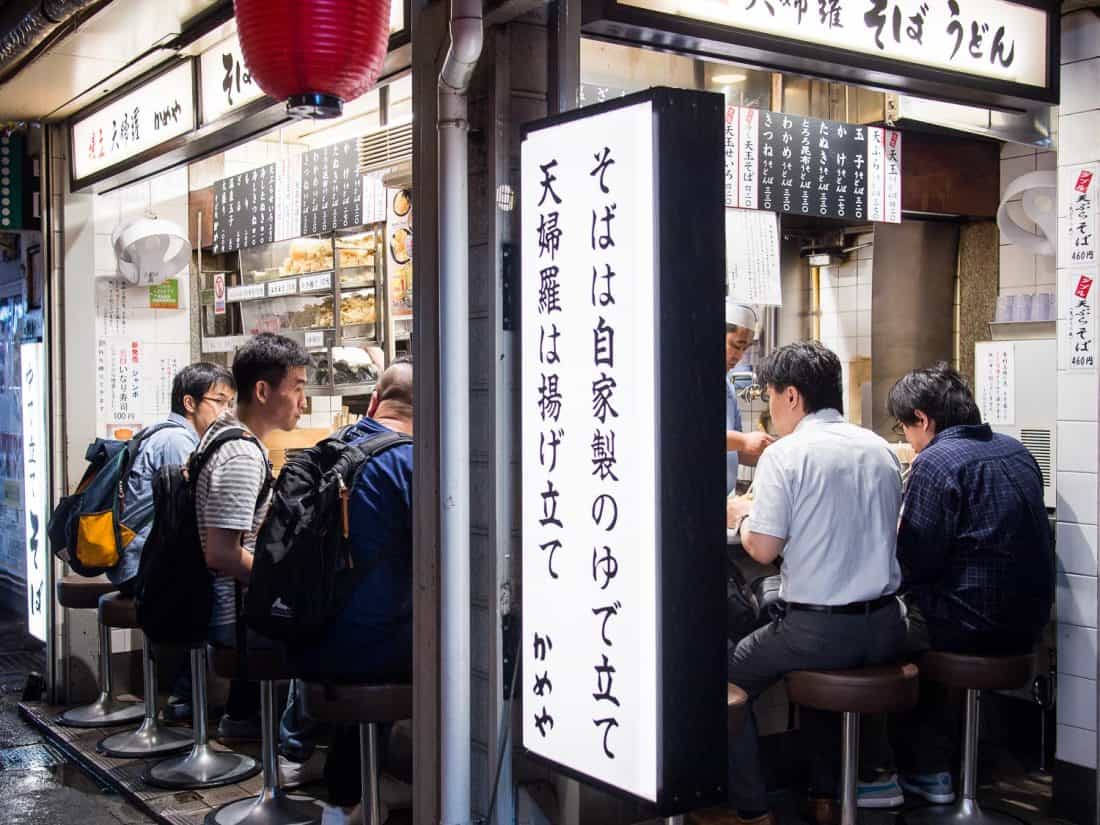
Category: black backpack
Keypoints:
(302, 572)
(86, 528)
(174, 589)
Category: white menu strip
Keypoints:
(876, 175)
(276, 289)
(308, 283)
(244, 293)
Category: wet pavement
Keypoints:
(37, 785)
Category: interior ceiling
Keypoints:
(81, 69)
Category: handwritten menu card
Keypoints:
(332, 193)
(244, 209)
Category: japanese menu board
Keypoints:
(332, 192)
(805, 166)
(995, 377)
(1077, 241)
(597, 638)
(1077, 350)
(244, 209)
(32, 360)
(752, 257)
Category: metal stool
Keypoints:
(973, 674)
(79, 593)
(366, 706)
(152, 738)
(273, 806)
(202, 767)
(883, 689)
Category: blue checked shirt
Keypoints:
(974, 539)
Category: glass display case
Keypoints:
(293, 288)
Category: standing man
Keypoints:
(232, 494)
(827, 500)
(975, 550)
(740, 446)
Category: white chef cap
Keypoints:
(741, 315)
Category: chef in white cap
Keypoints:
(741, 324)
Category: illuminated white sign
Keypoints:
(994, 39)
(162, 109)
(226, 82)
(32, 365)
(591, 647)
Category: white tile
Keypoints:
(1077, 651)
(1077, 446)
(829, 326)
(1080, 36)
(1075, 545)
(1046, 273)
(849, 269)
(865, 323)
(1080, 81)
(865, 346)
(827, 277)
(1077, 497)
(1075, 599)
(1077, 702)
(846, 299)
(866, 271)
(1012, 168)
(1017, 267)
(846, 347)
(1077, 746)
(863, 296)
(829, 300)
(1077, 395)
(1046, 161)
(1015, 150)
(848, 325)
(1078, 141)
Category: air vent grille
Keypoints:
(1038, 444)
(385, 148)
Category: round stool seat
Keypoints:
(358, 703)
(116, 610)
(977, 672)
(737, 708)
(262, 664)
(80, 593)
(880, 689)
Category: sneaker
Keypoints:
(295, 774)
(935, 787)
(233, 731)
(884, 792)
(177, 710)
(333, 815)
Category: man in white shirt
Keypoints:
(826, 499)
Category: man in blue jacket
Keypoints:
(371, 640)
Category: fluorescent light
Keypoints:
(723, 79)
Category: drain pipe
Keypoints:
(454, 374)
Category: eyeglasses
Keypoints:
(220, 403)
(898, 429)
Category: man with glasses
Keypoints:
(200, 393)
(740, 446)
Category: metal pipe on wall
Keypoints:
(454, 368)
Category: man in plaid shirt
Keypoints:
(975, 551)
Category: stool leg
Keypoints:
(152, 738)
(273, 806)
(368, 761)
(966, 811)
(202, 767)
(106, 711)
(850, 768)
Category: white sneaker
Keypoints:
(295, 774)
(333, 815)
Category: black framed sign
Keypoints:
(332, 190)
(244, 209)
(993, 53)
(623, 481)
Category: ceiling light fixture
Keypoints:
(725, 79)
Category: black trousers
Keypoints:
(343, 768)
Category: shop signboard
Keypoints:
(225, 82)
(806, 166)
(11, 181)
(1000, 53)
(623, 602)
(141, 120)
(32, 360)
(165, 295)
(244, 209)
(332, 191)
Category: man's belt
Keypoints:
(855, 608)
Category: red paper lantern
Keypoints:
(315, 54)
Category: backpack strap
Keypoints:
(378, 443)
(133, 447)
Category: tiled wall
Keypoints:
(1079, 142)
(1021, 271)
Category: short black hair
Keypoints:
(939, 392)
(810, 368)
(267, 357)
(195, 380)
